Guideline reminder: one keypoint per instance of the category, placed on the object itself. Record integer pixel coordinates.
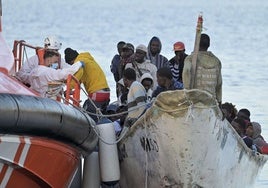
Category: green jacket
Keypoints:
(208, 74)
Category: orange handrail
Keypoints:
(73, 95)
(18, 48)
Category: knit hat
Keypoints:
(178, 46)
(70, 55)
(142, 48)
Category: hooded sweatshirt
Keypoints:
(149, 92)
(257, 138)
(158, 60)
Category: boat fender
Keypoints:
(108, 154)
(91, 175)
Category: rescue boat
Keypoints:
(42, 140)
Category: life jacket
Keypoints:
(40, 53)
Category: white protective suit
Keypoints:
(41, 75)
(24, 73)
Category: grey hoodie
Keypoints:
(257, 138)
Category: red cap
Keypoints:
(178, 46)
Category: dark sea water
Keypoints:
(238, 31)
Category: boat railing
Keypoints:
(72, 95)
(19, 50)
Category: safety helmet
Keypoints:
(52, 43)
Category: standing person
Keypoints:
(116, 60)
(176, 63)
(127, 56)
(208, 70)
(93, 79)
(136, 95)
(50, 43)
(154, 50)
(142, 65)
(166, 82)
(41, 75)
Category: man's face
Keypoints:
(126, 82)
(161, 81)
(139, 56)
(155, 47)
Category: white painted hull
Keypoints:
(175, 144)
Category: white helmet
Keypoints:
(52, 43)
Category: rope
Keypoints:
(54, 89)
(123, 132)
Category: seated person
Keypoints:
(244, 114)
(165, 81)
(136, 98)
(112, 110)
(147, 82)
(254, 131)
(240, 126)
(229, 111)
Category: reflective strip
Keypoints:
(7, 176)
(17, 148)
(25, 151)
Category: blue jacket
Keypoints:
(174, 86)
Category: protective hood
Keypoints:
(147, 75)
(256, 129)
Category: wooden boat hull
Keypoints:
(182, 141)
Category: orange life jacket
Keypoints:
(40, 53)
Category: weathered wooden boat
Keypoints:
(183, 141)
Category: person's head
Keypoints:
(127, 50)
(229, 111)
(256, 129)
(51, 59)
(141, 51)
(120, 45)
(244, 114)
(129, 76)
(164, 76)
(147, 81)
(204, 42)
(70, 55)
(52, 43)
(249, 130)
(112, 109)
(179, 49)
(155, 45)
(240, 126)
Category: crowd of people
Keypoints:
(249, 131)
(141, 73)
